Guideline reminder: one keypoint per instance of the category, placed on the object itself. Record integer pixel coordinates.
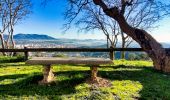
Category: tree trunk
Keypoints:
(161, 60)
(123, 46)
(12, 37)
(2, 44)
(123, 54)
(155, 51)
(112, 54)
(107, 41)
(7, 42)
(13, 42)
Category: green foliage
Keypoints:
(130, 80)
(8, 59)
(132, 56)
(138, 56)
(59, 55)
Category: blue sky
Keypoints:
(49, 20)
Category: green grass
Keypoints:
(131, 80)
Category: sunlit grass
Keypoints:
(136, 63)
(130, 80)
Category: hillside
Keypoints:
(31, 37)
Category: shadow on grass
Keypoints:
(29, 86)
(12, 76)
(124, 66)
(13, 64)
(155, 85)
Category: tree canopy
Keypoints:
(117, 10)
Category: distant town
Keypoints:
(45, 41)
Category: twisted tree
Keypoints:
(137, 15)
(155, 51)
(116, 10)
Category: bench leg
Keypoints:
(94, 73)
(97, 81)
(48, 75)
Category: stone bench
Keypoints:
(48, 75)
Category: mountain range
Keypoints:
(21, 36)
(83, 43)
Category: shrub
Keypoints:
(59, 55)
(7, 59)
(138, 56)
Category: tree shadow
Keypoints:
(124, 66)
(30, 87)
(13, 65)
(15, 76)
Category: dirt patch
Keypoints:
(99, 82)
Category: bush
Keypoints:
(138, 56)
(7, 59)
(59, 55)
(132, 56)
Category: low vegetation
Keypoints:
(131, 80)
(7, 59)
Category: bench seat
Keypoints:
(72, 60)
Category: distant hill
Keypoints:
(75, 42)
(31, 37)
(166, 45)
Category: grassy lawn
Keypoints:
(131, 80)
